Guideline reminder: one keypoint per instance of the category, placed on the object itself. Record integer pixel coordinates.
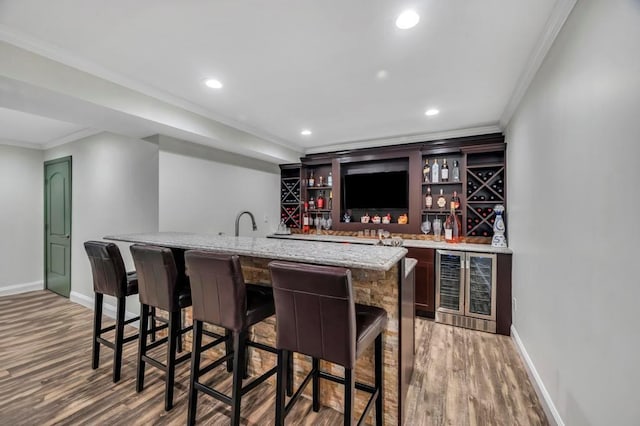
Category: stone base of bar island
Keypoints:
(385, 279)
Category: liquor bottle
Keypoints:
(445, 171)
(452, 227)
(330, 179)
(305, 219)
(320, 180)
(312, 204)
(320, 200)
(428, 199)
(312, 180)
(435, 172)
(455, 173)
(330, 200)
(455, 199)
(426, 171)
(441, 200)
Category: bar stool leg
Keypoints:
(142, 345)
(195, 372)
(315, 365)
(153, 324)
(97, 327)
(379, 380)
(180, 331)
(349, 385)
(174, 333)
(289, 372)
(228, 345)
(117, 350)
(280, 387)
(239, 348)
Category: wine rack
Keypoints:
(485, 188)
(290, 197)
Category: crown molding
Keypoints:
(55, 53)
(71, 137)
(21, 144)
(397, 140)
(558, 17)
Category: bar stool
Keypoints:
(110, 278)
(161, 287)
(316, 316)
(222, 298)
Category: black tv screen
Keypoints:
(384, 190)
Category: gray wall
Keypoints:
(115, 191)
(21, 219)
(573, 216)
(203, 189)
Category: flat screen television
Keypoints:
(376, 191)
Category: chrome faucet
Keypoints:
(253, 221)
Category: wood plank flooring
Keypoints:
(462, 377)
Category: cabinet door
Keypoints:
(449, 281)
(480, 298)
(425, 290)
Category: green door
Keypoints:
(57, 225)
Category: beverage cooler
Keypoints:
(466, 289)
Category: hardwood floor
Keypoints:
(462, 377)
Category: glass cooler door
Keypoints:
(480, 297)
(449, 281)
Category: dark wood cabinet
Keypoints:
(425, 288)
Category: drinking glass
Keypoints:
(437, 228)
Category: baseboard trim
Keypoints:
(547, 403)
(21, 288)
(107, 308)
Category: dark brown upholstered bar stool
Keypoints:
(161, 287)
(221, 298)
(316, 316)
(110, 278)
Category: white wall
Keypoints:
(115, 191)
(573, 216)
(21, 219)
(203, 189)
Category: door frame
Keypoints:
(68, 159)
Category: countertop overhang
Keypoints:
(334, 253)
(479, 248)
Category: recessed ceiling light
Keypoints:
(431, 112)
(305, 132)
(213, 83)
(407, 19)
(382, 75)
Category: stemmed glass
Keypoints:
(425, 227)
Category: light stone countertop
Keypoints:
(478, 248)
(336, 253)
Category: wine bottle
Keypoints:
(455, 199)
(426, 171)
(442, 202)
(312, 180)
(455, 173)
(445, 171)
(428, 199)
(305, 219)
(320, 200)
(435, 172)
(452, 226)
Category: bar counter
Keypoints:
(381, 277)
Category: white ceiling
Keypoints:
(21, 128)
(293, 64)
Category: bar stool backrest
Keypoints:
(217, 289)
(107, 267)
(157, 276)
(315, 311)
